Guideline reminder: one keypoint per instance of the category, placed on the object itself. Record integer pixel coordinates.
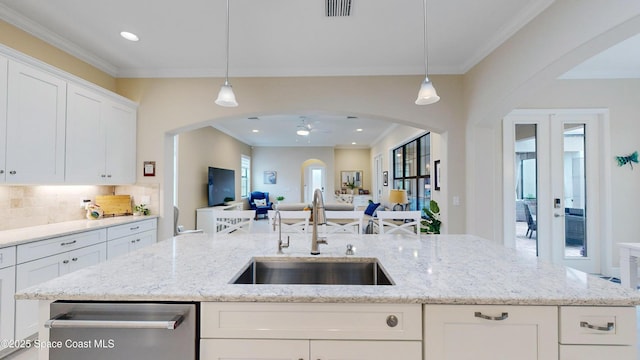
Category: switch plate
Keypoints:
(456, 200)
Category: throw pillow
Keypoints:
(260, 202)
(371, 208)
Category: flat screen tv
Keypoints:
(221, 186)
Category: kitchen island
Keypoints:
(434, 279)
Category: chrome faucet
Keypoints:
(281, 244)
(319, 218)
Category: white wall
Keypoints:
(288, 162)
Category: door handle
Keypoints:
(558, 215)
(62, 322)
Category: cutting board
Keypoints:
(114, 204)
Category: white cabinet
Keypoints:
(4, 64)
(597, 332)
(310, 331)
(53, 257)
(7, 289)
(101, 139)
(228, 349)
(460, 332)
(123, 239)
(35, 126)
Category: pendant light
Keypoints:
(226, 97)
(427, 94)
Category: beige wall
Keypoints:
(197, 150)
(25, 43)
(174, 105)
(353, 159)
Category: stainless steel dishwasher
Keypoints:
(110, 331)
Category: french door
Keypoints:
(315, 178)
(553, 163)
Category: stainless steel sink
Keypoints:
(314, 271)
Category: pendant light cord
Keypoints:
(226, 76)
(426, 42)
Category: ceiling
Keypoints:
(285, 38)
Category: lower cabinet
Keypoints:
(130, 243)
(230, 349)
(7, 289)
(461, 332)
(310, 331)
(38, 271)
(598, 332)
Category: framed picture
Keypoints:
(270, 177)
(149, 168)
(436, 175)
(385, 178)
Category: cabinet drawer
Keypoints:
(311, 321)
(40, 249)
(119, 231)
(7, 256)
(597, 352)
(597, 325)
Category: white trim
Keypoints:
(39, 31)
(17, 56)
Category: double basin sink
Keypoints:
(313, 271)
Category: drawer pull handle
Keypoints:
(610, 326)
(503, 316)
(392, 321)
(65, 261)
(74, 259)
(135, 228)
(68, 243)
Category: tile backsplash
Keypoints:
(23, 206)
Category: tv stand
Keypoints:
(204, 216)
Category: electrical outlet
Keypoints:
(84, 202)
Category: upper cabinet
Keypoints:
(35, 126)
(101, 139)
(4, 63)
(56, 128)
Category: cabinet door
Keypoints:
(36, 105)
(240, 349)
(370, 350)
(119, 247)
(85, 147)
(7, 304)
(3, 115)
(84, 257)
(457, 332)
(29, 274)
(119, 127)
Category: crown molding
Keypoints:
(21, 22)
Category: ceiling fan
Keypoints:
(305, 128)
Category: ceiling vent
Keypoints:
(338, 8)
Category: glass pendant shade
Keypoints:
(226, 97)
(427, 94)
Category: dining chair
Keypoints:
(343, 222)
(233, 221)
(406, 222)
(291, 221)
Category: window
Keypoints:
(245, 176)
(411, 171)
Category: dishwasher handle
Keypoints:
(59, 322)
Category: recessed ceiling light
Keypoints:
(353, 143)
(129, 36)
(359, 130)
(255, 130)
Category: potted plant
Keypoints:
(280, 198)
(432, 224)
(141, 209)
(351, 185)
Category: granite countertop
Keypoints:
(40, 232)
(438, 269)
